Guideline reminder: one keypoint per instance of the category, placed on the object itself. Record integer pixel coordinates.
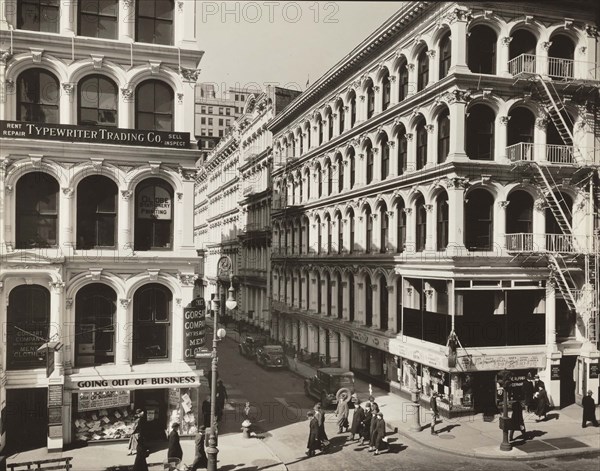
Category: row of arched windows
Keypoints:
(37, 213)
(38, 101)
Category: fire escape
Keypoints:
(570, 255)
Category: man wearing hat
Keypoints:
(138, 431)
(200, 460)
(589, 410)
(174, 451)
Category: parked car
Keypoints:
(271, 356)
(327, 382)
(249, 346)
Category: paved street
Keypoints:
(282, 406)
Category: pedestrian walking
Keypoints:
(174, 451)
(517, 421)
(314, 442)
(342, 412)
(542, 405)
(379, 434)
(365, 425)
(320, 416)
(528, 391)
(373, 426)
(589, 410)
(206, 412)
(221, 398)
(200, 460)
(357, 418)
(140, 463)
(434, 411)
(138, 428)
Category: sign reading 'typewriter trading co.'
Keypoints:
(94, 134)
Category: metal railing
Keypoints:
(554, 67)
(553, 153)
(527, 242)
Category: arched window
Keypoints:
(329, 171)
(301, 142)
(402, 151)
(352, 165)
(319, 182)
(422, 70)
(523, 49)
(37, 211)
(481, 50)
(479, 220)
(443, 135)
(368, 230)
(98, 98)
(96, 212)
(152, 304)
(329, 234)
(340, 234)
(383, 303)
(319, 293)
(154, 21)
(421, 145)
(442, 213)
(480, 133)
(385, 156)
(37, 97)
(370, 92)
(402, 81)
(154, 106)
(342, 116)
(28, 321)
(368, 301)
(319, 235)
(308, 185)
(308, 134)
(327, 294)
(519, 213)
(351, 231)
(320, 129)
(520, 126)
(95, 308)
(370, 161)
(340, 296)
(98, 18)
(400, 226)
(340, 166)
(154, 215)
(385, 227)
(560, 57)
(421, 224)
(352, 105)
(330, 125)
(445, 55)
(385, 91)
(351, 297)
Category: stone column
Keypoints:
(56, 324)
(539, 224)
(376, 304)
(376, 234)
(345, 351)
(322, 340)
(540, 139)
(410, 244)
(392, 303)
(412, 79)
(126, 23)
(392, 230)
(457, 126)
(500, 225)
(123, 334)
(67, 18)
(346, 297)
(66, 230)
(501, 139)
(411, 153)
(456, 209)
(393, 153)
(458, 44)
(434, 66)
(432, 145)
(313, 338)
(503, 47)
(67, 100)
(359, 309)
(376, 164)
(333, 346)
(553, 355)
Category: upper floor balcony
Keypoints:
(550, 153)
(524, 242)
(556, 68)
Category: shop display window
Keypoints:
(183, 409)
(103, 415)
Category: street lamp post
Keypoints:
(218, 334)
(505, 425)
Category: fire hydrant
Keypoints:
(246, 424)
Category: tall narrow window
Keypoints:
(402, 152)
(352, 163)
(443, 136)
(95, 309)
(152, 306)
(154, 215)
(38, 15)
(368, 301)
(352, 110)
(351, 230)
(329, 234)
(319, 293)
(445, 55)
(383, 303)
(402, 82)
(37, 97)
(154, 106)
(385, 224)
(154, 21)
(400, 226)
(319, 182)
(340, 296)
(351, 297)
(96, 212)
(421, 224)
(423, 70)
(330, 125)
(37, 211)
(421, 145)
(98, 18)
(479, 207)
(340, 166)
(385, 91)
(320, 130)
(480, 133)
(319, 235)
(442, 221)
(370, 100)
(328, 293)
(342, 117)
(340, 227)
(308, 133)
(385, 156)
(481, 50)
(98, 98)
(329, 171)
(370, 163)
(368, 231)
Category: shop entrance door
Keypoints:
(484, 392)
(154, 402)
(567, 380)
(26, 419)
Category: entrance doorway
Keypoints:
(484, 392)
(26, 419)
(567, 380)
(154, 402)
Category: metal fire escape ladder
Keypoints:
(565, 285)
(554, 201)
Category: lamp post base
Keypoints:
(211, 455)
(415, 411)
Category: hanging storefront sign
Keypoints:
(55, 395)
(154, 202)
(23, 343)
(194, 334)
(95, 400)
(594, 367)
(94, 134)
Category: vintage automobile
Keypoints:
(271, 356)
(325, 385)
(249, 346)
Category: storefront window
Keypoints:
(151, 317)
(183, 409)
(102, 415)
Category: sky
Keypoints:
(284, 43)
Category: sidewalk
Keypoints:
(235, 452)
(471, 436)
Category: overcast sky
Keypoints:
(279, 41)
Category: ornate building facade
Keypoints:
(96, 184)
(435, 205)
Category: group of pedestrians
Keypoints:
(536, 397)
(368, 425)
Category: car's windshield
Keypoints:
(343, 381)
(273, 349)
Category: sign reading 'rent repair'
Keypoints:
(94, 134)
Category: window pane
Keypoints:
(164, 123)
(162, 234)
(164, 9)
(145, 8)
(48, 89)
(163, 32)
(107, 118)
(163, 99)
(89, 93)
(88, 6)
(106, 231)
(107, 28)
(145, 29)
(49, 17)
(145, 121)
(107, 95)
(108, 7)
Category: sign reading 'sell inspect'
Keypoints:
(94, 134)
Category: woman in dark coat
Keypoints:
(200, 460)
(373, 426)
(379, 433)
(528, 393)
(140, 463)
(314, 442)
(542, 404)
(320, 416)
(517, 421)
(589, 410)
(357, 418)
(174, 452)
(365, 426)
